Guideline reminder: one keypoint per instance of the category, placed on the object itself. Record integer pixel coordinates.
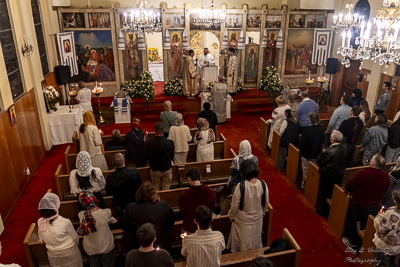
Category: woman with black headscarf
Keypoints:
(357, 97)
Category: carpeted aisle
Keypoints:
(320, 246)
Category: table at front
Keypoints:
(63, 124)
(157, 71)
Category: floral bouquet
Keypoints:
(271, 82)
(173, 87)
(140, 88)
(210, 86)
(52, 96)
(240, 86)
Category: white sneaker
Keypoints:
(346, 241)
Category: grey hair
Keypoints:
(118, 160)
(379, 161)
(336, 136)
(116, 133)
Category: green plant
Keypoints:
(173, 87)
(141, 88)
(271, 81)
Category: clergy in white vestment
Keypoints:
(232, 71)
(84, 97)
(205, 59)
(190, 89)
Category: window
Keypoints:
(40, 36)
(9, 52)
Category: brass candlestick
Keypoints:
(321, 81)
(97, 91)
(309, 81)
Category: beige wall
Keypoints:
(31, 70)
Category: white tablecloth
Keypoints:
(119, 116)
(208, 74)
(157, 71)
(63, 124)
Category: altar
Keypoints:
(208, 74)
(63, 124)
(157, 71)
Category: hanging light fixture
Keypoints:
(209, 16)
(378, 40)
(347, 22)
(141, 21)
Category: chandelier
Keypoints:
(348, 21)
(209, 16)
(378, 42)
(141, 21)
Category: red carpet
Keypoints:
(319, 245)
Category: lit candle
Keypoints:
(334, 19)
(126, 17)
(343, 37)
(309, 73)
(158, 17)
(96, 84)
(340, 17)
(349, 37)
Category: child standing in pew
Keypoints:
(58, 233)
(98, 240)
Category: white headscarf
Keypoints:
(245, 150)
(52, 202)
(84, 164)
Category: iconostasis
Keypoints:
(109, 54)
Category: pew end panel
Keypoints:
(225, 147)
(263, 129)
(58, 173)
(66, 158)
(75, 142)
(275, 147)
(35, 252)
(367, 236)
(312, 184)
(232, 153)
(292, 166)
(337, 214)
(218, 172)
(324, 123)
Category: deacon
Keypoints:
(205, 60)
(232, 72)
(190, 89)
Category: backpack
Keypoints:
(242, 193)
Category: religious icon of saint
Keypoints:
(176, 53)
(132, 55)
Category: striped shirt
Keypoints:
(203, 248)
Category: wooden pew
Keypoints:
(338, 211)
(223, 224)
(292, 166)
(232, 153)
(263, 129)
(367, 236)
(106, 138)
(312, 184)
(220, 172)
(275, 147)
(219, 153)
(36, 252)
(350, 172)
(324, 123)
(286, 258)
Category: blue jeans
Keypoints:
(392, 154)
(282, 158)
(355, 214)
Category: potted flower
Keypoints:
(173, 87)
(271, 82)
(52, 97)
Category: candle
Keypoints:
(96, 83)
(126, 17)
(349, 37)
(343, 37)
(334, 19)
(309, 73)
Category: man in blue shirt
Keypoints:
(304, 109)
(383, 101)
(340, 114)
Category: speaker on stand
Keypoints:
(331, 67)
(63, 77)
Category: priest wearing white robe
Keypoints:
(232, 72)
(205, 59)
(190, 89)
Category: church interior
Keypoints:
(134, 56)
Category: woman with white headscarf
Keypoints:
(236, 174)
(87, 177)
(180, 134)
(204, 139)
(58, 233)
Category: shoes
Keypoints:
(320, 213)
(346, 241)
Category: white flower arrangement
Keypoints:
(240, 86)
(141, 88)
(52, 97)
(173, 87)
(271, 81)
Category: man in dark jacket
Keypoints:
(311, 142)
(116, 143)
(351, 129)
(196, 195)
(123, 183)
(393, 148)
(160, 152)
(209, 115)
(332, 166)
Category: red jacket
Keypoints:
(367, 187)
(190, 200)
